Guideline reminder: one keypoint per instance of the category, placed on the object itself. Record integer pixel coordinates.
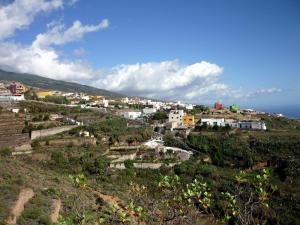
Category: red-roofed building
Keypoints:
(218, 106)
(17, 88)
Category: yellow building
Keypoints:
(188, 121)
(96, 97)
(43, 94)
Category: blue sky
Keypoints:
(197, 51)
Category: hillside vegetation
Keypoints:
(233, 177)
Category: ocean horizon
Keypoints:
(292, 112)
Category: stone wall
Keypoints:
(72, 141)
(120, 165)
(47, 132)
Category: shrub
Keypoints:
(58, 157)
(206, 169)
(5, 152)
(128, 164)
(35, 144)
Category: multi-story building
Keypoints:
(16, 88)
(176, 116)
(218, 106)
(3, 90)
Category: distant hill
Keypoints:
(51, 84)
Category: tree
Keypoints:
(160, 116)
(129, 164)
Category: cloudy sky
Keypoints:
(199, 51)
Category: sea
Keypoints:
(292, 112)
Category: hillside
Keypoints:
(46, 83)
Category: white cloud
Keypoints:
(35, 59)
(44, 62)
(20, 14)
(198, 82)
(167, 79)
(79, 52)
(42, 59)
(72, 2)
(58, 35)
(263, 91)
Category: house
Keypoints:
(213, 122)
(149, 111)
(189, 106)
(4, 91)
(85, 97)
(256, 125)
(15, 110)
(234, 108)
(125, 100)
(171, 125)
(96, 97)
(11, 98)
(132, 115)
(17, 88)
(43, 94)
(188, 121)
(218, 106)
(103, 102)
(176, 116)
(84, 133)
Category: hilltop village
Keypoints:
(179, 116)
(78, 158)
(164, 117)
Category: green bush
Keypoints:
(128, 164)
(5, 152)
(206, 169)
(35, 144)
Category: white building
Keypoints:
(84, 133)
(11, 98)
(149, 111)
(103, 102)
(85, 97)
(132, 115)
(213, 122)
(256, 125)
(189, 106)
(176, 116)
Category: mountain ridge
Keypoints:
(53, 84)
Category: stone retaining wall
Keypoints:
(142, 165)
(47, 132)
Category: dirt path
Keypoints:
(24, 196)
(118, 204)
(56, 205)
(106, 152)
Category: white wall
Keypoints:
(176, 116)
(132, 115)
(149, 110)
